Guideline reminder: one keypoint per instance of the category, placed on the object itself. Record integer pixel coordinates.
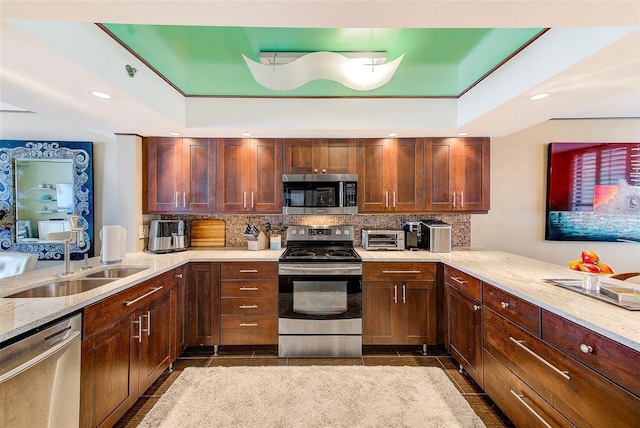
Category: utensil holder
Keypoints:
(261, 243)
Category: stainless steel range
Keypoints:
(320, 293)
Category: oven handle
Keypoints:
(319, 269)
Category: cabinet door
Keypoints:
(338, 156)
(301, 155)
(464, 319)
(473, 174)
(199, 175)
(441, 168)
(155, 344)
(180, 333)
(419, 320)
(265, 190)
(233, 170)
(164, 174)
(204, 303)
(109, 385)
(376, 167)
(407, 193)
(379, 317)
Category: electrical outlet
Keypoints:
(143, 231)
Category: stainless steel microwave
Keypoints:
(320, 193)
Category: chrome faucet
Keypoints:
(76, 236)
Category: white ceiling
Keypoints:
(52, 55)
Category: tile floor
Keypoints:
(267, 356)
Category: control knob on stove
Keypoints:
(346, 232)
(338, 232)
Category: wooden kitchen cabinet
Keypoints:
(180, 315)
(463, 321)
(399, 304)
(390, 175)
(250, 175)
(249, 303)
(457, 174)
(545, 374)
(203, 295)
(320, 155)
(180, 176)
(126, 347)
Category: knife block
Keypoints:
(261, 243)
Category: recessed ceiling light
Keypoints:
(100, 94)
(246, 134)
(175, 134)
(539, 97)
(462, 134)
(393, 134)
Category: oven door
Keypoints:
(320, 297)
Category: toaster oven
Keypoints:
(166, 236)
(383, 239)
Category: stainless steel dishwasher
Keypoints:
(40, 377)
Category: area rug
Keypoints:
(313, 396)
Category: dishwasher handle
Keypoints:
(40, 357)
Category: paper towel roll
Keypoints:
(112, 244)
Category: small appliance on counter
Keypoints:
(382, 239)
(412, 235)
(166, 236)
(436, 236)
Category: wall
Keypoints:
(516, 220)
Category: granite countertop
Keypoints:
(521, 276)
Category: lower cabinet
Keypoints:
(399, 304)
(203, 295)
(126, 346)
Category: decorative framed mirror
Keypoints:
(41, 184)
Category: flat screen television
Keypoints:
(593, 192)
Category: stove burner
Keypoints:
(302, 253)
(339, 253)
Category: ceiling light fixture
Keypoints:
(246, 134)
(175, 134)
(284, 71)
(393, 134)
(539, 97)
(462, 134)
(100, 94)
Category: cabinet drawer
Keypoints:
(520, 403)
(103, 312)
(249, 330)
(583, 396)
(399, 270)
(249, 306)
(463, 282)
(526, 315)
(246, 270)
(255, 288)
(607, 357)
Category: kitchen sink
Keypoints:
(117, 272)
(63, 288)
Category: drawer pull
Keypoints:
(148, 317)
(248, 324)
(248, 306)
(395, 293)
(248, 270)
(402, 271)
(458, 280)
(504, 305)
(137, 299)
(476, 307)
(562, 373)
(520, 397)
(139, 322)
(248, 288)
(586, 348)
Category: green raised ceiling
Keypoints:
(207, 61)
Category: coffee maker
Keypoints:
(412, 235)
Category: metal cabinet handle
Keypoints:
(252, 204)
(139, 336)
(179, 276)
(248, 324)
(395, 293)
(461, 199)
(244, 199)
(386, 199)
(184, 199)
(454, 199)
(248, 270)
(248, 306)
(520, 397)
(476, 307)
(586, 348)
(504, 305)
(458, 280)
(177, 199)
(248, 288)
(401, 271)
(137, 299)
(563, 373)
(148, 317)
(404, 293)
(394, 199)
(315, 170)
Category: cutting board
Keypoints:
(207, 233)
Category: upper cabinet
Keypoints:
(319, 155)
(457, 174)
(180, 175)
(250, 175)
(390, 175)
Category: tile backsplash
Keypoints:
(235, 224)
